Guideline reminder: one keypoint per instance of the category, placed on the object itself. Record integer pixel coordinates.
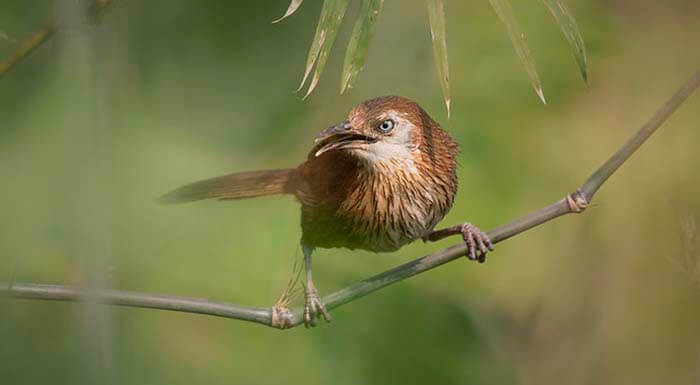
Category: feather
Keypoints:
(234, 186)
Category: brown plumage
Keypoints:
(381, 179)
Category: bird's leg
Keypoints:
(282, 316)
(313, 307)
(475, 239)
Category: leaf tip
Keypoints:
(286, 15)
(306, 76)
(312, 86)
(344, 84)
(584, 76)
(540, 93)
(293, 6)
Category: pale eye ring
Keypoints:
(386, 126)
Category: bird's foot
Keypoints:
(282, 316)
(478, 243)
(313, 307)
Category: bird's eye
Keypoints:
(386, 126)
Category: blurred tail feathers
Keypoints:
(234, 186)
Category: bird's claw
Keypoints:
(476, 240)
(282, 317)
(314, 308)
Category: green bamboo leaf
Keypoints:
(436, 17)
(570, 29)
(505, 13)
(332, 14)
(293, 6)
(358, 47)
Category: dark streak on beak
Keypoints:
(342, 128)
(339, 137)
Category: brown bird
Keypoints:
(377, 181)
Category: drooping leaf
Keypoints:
(505, 13)
(293, 6)
(436, 17)
(362, 33)
(332, 14)
(568, 26)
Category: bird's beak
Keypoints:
(340, 136)
(342, 128)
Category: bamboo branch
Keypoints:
(42, 35)
(280, 317)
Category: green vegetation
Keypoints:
(97, 123)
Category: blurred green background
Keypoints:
(103, 119)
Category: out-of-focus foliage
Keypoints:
(6, 38)
(100, 121)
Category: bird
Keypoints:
(381, 179)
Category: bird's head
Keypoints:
(385, 130)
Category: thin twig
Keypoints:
(43, 34)
(575, 202)
(28, 46)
